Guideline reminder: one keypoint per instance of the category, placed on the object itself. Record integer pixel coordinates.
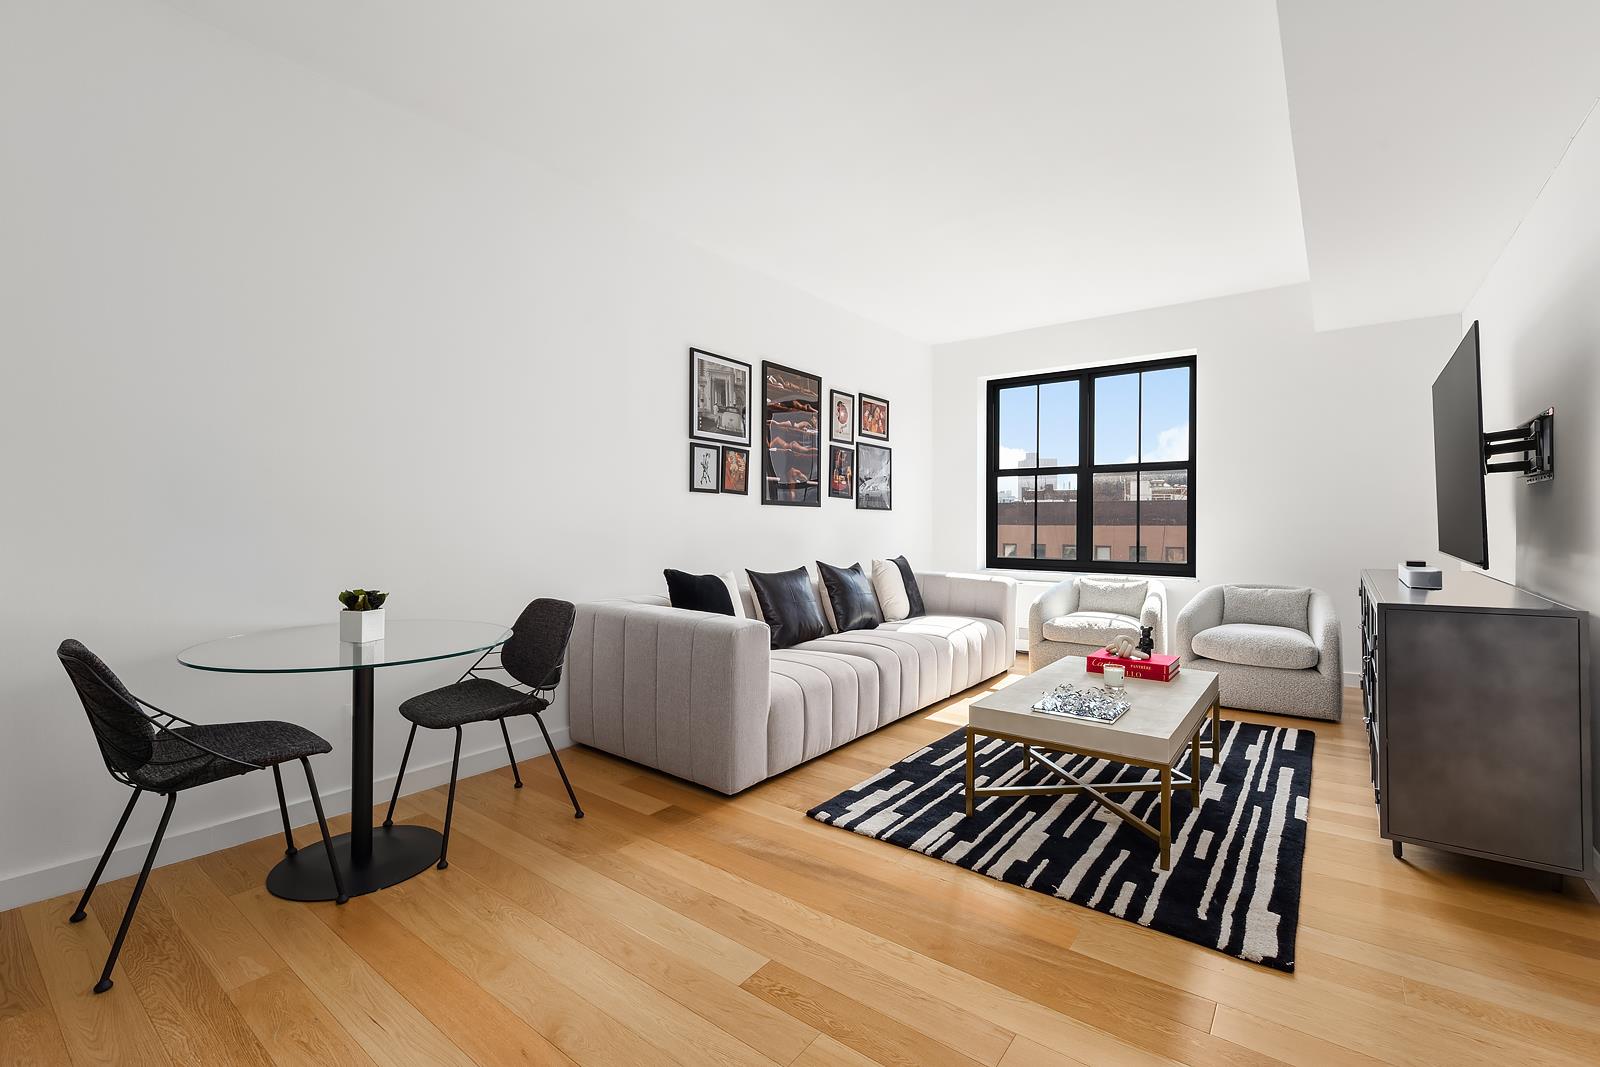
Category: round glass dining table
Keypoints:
(369, 857)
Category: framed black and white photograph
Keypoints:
(874, 478)
(874, 420)
(735, 470)
(841, 417)
(791, 437)
(719, 398)
(841, 472)
(705, 463)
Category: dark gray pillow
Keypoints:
(913, 594)
(698, 592)
(789, 606)
(849, 591)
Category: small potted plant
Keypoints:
(361, 620)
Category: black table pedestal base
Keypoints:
(398, 853)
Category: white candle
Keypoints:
(1115, 675)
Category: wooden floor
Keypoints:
(676, 926)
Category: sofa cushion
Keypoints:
(1113, 597)
(979, 647)
(1266, 607)
(1091, 627)
(849, 593)
(1255, 645)
(698, 592)
(789, 606)
(890, 589)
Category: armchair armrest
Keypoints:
(980, 596)
(1323, 625)
(1201, 613)
(685, 691)
(1060, 599)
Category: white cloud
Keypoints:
(1012, 457)
(1171, 443)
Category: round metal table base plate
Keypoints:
(398, 853)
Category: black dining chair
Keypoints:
(532, 656)
(155, 751)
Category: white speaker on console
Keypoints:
(1416, 574)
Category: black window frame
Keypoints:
(1085, 470)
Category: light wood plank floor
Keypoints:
(677, 926)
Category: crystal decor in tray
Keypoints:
(1095, 703)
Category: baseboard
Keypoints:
(46, 882)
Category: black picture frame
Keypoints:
(715, 459)
(848, 490)
(869, 498)
(697, 429)
(861, 417)
(744, 483)
(791, 458)
(849, 437)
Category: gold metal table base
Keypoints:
(1033, 749)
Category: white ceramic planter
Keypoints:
(361, 627)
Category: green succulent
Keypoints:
(362, 599)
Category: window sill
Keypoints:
(1050, 576)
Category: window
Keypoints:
(1093, 470)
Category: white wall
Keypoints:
(1314, 457)
(266, 337)
(1540, 314)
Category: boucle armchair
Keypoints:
(1081, 615)
(1274, 648)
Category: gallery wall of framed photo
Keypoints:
(795, 464)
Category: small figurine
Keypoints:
(1125, 648)
(1147, 643)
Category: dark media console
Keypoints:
(1477, 709)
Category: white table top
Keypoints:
(1155, 730)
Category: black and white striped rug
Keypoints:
(1234, 884)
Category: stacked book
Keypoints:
(1154, 669)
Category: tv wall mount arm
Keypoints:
(1532, 446)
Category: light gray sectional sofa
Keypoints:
(703, 697)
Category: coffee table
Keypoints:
(1166, 718)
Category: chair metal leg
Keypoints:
(388, 819)
(77, 916)
(138, 891)
(516, 774)
(327, 842)
(577, 812)
(283, 809)
(450, 805)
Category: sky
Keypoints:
(1119, 438)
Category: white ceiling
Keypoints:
(945, 167)
(1423, 132)
(952, 168)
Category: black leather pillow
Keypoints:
(913, 594)
(849, 589)
(789, 606)
(698, 592)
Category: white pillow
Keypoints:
(890, 588)
(1117, 597)
(731, 580)
(1266, 607)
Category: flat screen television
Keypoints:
(1458, 469)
